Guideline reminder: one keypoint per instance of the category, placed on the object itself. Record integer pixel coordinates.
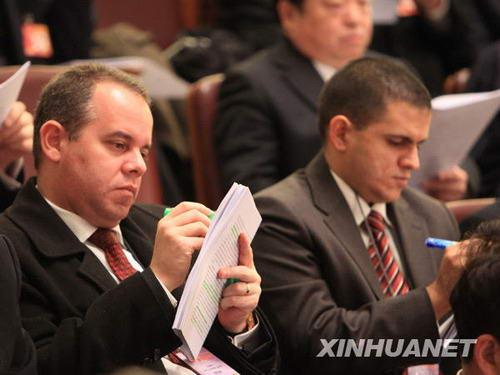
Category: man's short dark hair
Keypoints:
(363, 88)
(476, 297)
(66, 98)
(297, 3)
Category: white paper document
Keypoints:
(158, 80)
(385, 12)
(199, 303)
(457, 122)
(9, 90)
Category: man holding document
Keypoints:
(341, 246)
(102, 276)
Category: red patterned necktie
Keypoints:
(386, 267)
(389, 275)
(107, 240)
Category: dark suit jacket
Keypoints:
(266, 126)
(81, 321)
(6, 196)
(491, 212)
(318, 281)
(485, 76)
(17, 352)
(434, 49)
(11, 47)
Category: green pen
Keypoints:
(168, 210)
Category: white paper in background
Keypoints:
(385, 12)
(457, 122)
(9, 90)
(160, 82)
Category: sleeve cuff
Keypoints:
(247, 338)
(170, 296)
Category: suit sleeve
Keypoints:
(246, 139)
(128, 325)
(17, 353)
(303, 310)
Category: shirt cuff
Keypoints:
(246, 338)
(170, 296)
(446, 328)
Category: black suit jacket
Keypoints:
(17, 352)
(81, 321)
(266, 126)
(485, 76)
(7, 196)
(318, 280)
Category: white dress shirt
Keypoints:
(325, 71)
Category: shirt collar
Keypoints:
(325, 71)
(80, 227)
(358, 206)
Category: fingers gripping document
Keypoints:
(199, 303)
(9, 90)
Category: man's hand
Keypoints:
(449, 185)
(241, 298)
(178, 236)
(452, 267)
(16, 135)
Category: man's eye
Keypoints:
(119, 145)
(145, 154)
(397, 141)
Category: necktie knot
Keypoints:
(376, 221)
(107, 240)
(104, 238)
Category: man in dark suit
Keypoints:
(341, 246)
(16, 139)
(265, 127)
(17, 353)
(101, 276)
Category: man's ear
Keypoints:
(487, 354)
(53, 137)
(287, 12)
(338, 130)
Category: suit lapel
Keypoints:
(328, 198)
(298, 72)
(92, 269)
(413, 231)
(33, 215)
(138, 241)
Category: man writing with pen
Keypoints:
(101, 275)
(341, 246)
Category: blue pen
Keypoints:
(438, 243)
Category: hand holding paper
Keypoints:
(241, 298)
(447, 185)
(16, 135)
(223, 249)
(178, 236)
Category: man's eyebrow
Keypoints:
(120, 134)
(405, 138)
